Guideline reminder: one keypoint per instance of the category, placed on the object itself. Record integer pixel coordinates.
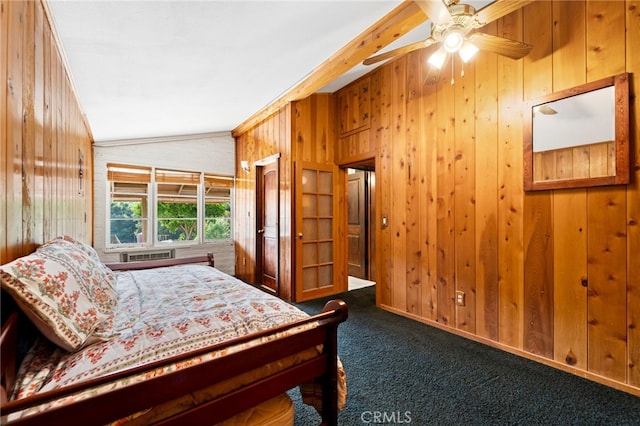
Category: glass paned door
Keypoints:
(315, 231)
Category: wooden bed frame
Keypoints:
(116, 404)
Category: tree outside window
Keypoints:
(217, 199)
(177, 210)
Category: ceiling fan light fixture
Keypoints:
(437, 58)
(453, 41)
(468, 51)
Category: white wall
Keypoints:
(212, 153)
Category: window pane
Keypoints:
(309, 254)
(325, 205)
(325, 276)
(325, 182)
(310, 229)
(309, 181)
(310, 280)
(217, 220)
(325, 252)
(177, 209)
(128, 221)
(217, 208)
(128, 207)
(325, 229)
(309, 205)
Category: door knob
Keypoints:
(300, 235)
(260, 231)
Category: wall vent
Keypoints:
(147, 255)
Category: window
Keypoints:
(129, 204)
(157, 207)
(217, 207)
(176, 206)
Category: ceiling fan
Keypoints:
(454, 26)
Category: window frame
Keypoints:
(164, 176)
(152, 240)
(202, 221)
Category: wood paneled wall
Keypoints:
(43, 135)
(302, 131)
(270, 137)
(550, 275)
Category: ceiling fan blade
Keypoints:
(497, 10)
(435, 10)
(399, 51)
(500, 45)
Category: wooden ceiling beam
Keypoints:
(402, 19)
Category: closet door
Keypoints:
(315, 231)
(268, 237)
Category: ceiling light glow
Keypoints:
(453, 41)
(437, 58)
(468, 51)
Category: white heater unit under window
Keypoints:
(147, 255)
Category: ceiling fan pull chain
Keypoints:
(453, 59)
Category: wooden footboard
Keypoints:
(119, 402)
(116, 404)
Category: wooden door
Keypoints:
(267, 227)
(357, 229)
(371, 225)
(315, 231)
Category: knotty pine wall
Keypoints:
(42, 135)
(551, 275)
(301, 131)
(449, 178)
(270, 137)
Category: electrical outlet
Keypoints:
(460, 298)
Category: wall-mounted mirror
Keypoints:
(578, 137)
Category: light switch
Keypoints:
(384, 221)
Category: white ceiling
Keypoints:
(161, 68)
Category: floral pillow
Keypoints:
(90, 251)
(67, 295)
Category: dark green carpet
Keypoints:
(405, 372)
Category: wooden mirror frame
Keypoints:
(621, 176)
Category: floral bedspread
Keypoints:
(161, 312)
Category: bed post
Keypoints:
(330, 380)
(8, 349)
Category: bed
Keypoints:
(160, 342)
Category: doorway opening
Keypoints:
(360, 228)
